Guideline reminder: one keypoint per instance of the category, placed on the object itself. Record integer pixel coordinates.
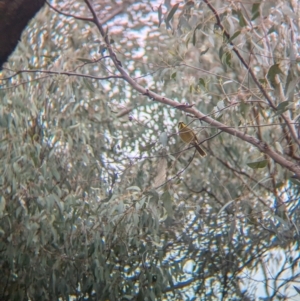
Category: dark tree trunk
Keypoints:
(14, 16)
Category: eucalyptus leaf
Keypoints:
(258, 164)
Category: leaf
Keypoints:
(244, 109)
(204, 51)
(194, 38)
(258, 164)
(2, 205)
(136, 188)
(221, 52)
(225, 206)
(59, 203)
(297, 289)
(135, 220)
(171, 14)
(159, 15)
(236, 34)
(295, 181)
(168, 203)
(255, 11)
(88, 84)
(282, 107)
(154, 196)
(225, 57)
(279, 147)
(91, 250)
(202, 83)
(55, 172)
(242, 20)
(272, 29)
(183, 23)
(199, 26)
(85, 60)
(120, 207)
(228, 57)
(50, 201)
(290, 85)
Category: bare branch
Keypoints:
(63, 73)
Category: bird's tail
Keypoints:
(200, 150)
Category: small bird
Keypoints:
(188, 136)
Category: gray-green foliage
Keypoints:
(81, 212)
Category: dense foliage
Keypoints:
(100, 200)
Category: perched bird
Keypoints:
(188, 136)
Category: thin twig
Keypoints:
(69, 15)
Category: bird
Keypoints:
(188, 136)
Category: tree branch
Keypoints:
(262, 146)
(256, 81)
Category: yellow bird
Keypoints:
(188, 136)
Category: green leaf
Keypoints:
(258, 164)
(226, 59)
(85, 60)
(91, 250)
(272, 29)
(221, 52)
(295, 181)
(194, 38)
(242, 20)
(282, 105)
(244, 109)
(55, 172)
(168, 203)
(136, 188)
(59, 203)
(2, 205)
(88, 84)
(153, 195)
(202, 83)
(236, 34)
(255, 11)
